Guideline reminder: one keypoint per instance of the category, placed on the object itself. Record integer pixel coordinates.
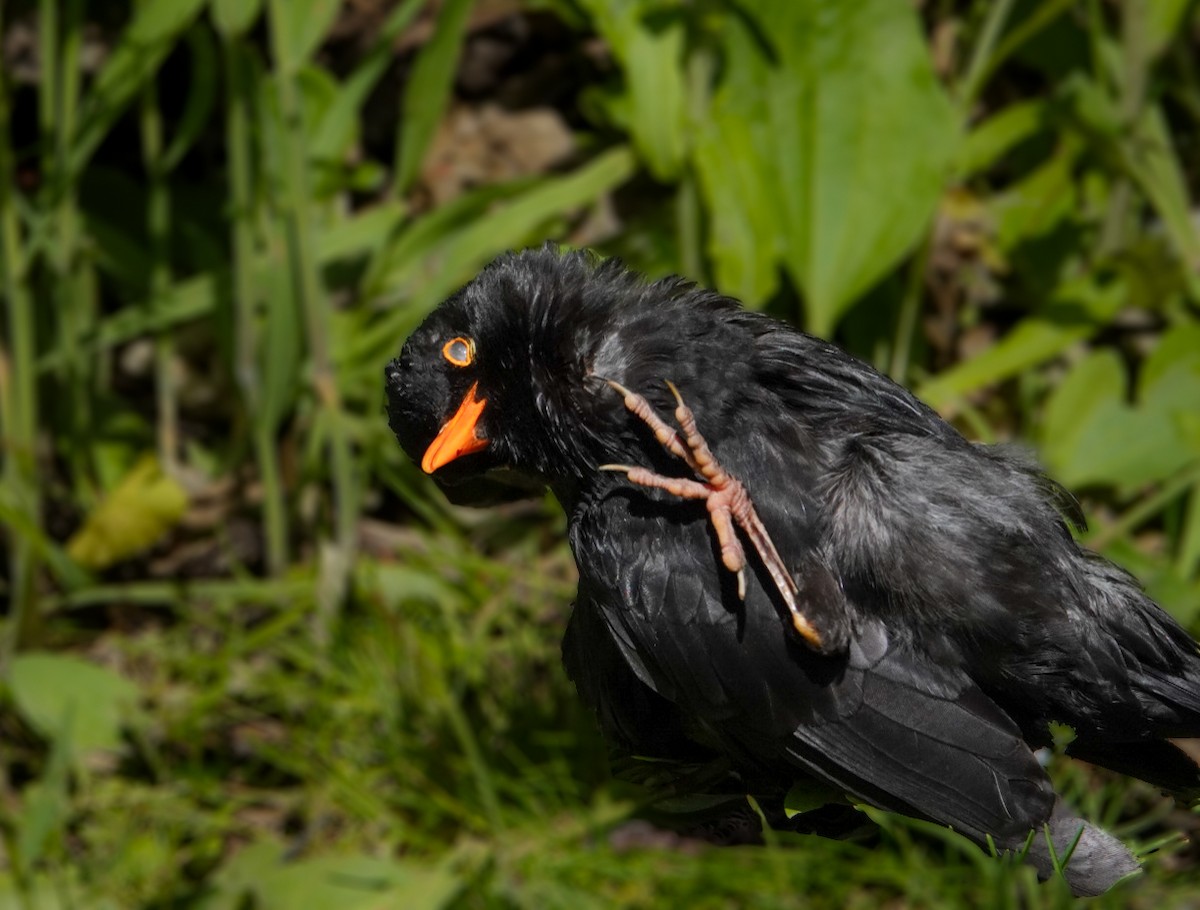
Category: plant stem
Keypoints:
(1038, 20)
(1146, 508)
(301, 222)
(910, 309)
(247, 300)
(18, 391)
(1188, 560)
(977, 69)
(158, 217)
(68, 292)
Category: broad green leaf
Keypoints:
(261, 873)
(1125, 448)
(734, 154)
(59, 889)
(1093, 436)
(1091, 385)
(131, 518)
(1178, 350)
(1092, 392)
(651, 55)
(396, 585)
(428, 90)
(234, 17)
(47, 805)
(1188, 424)
(1161, 20)
(1076, 312)
(864, 136)
(63, 696)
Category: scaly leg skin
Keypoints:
(728, 503)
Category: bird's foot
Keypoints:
(728, 503)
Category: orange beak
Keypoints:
(459, 436)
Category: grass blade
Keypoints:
(428, 90)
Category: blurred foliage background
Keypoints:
(249, 657)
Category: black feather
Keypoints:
(958, 616)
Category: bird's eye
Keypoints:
(459, 351)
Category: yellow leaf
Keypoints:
(130, 519)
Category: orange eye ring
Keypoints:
(459, 351)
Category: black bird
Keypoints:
(809, 573)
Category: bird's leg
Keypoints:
(729, 505)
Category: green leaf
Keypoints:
(280, 342)
(201, 96)
(428, 90)
(131, 518)
(135, 58)
(849, 209)
(259, 872)
(1150, 157)
(1174, 366)
(732, 148)
(1093, 436)
(1034, 206)
(1187, 560)
(988, 142)
(1076, 312)
(403, 258)
(304, 24)
(339, 121)
(80, 702)
(59, 889)
(1161, 22)
(651, 55)
(459, 255)
(1091, 395)
(15, 516)
(47, 805)
(234, 17)
(397, 585)
(806, 794)
(361, 233)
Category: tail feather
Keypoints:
(1092, 860)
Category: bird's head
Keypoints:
(508, 376)
(496, 378)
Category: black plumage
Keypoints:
(955, 615)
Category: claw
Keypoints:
(729, 504)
